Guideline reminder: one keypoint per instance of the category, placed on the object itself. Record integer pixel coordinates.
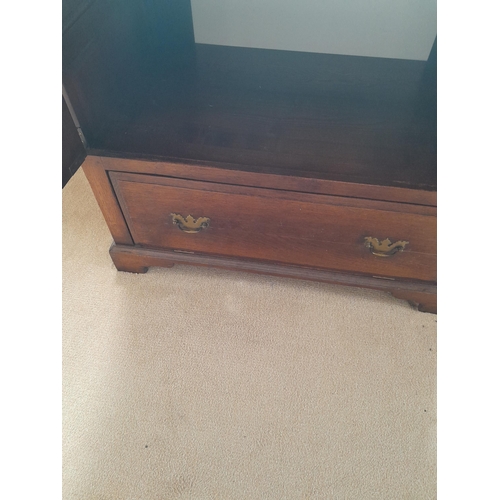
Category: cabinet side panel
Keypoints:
(109, 47)
(105, 196)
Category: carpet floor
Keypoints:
(196, 383)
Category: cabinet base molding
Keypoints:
(137, 260)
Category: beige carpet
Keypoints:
(194, 383)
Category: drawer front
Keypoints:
(308, 230)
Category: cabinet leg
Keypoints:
(133, 259)
(129, 262)
(425, 302)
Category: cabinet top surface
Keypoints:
(140, 94)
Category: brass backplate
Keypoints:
(384, 248)
(189, 224)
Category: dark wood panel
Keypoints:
(351, 119)
(141, 87)
(110, 45)
(255, 223)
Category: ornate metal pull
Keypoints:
(384, 248)
(190, 224)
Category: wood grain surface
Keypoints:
(315, 231)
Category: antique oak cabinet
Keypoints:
(290, 138)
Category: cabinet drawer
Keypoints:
(318, 231)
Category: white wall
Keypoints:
(403, 29)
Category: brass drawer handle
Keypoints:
(190, 224)
(384, 248)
